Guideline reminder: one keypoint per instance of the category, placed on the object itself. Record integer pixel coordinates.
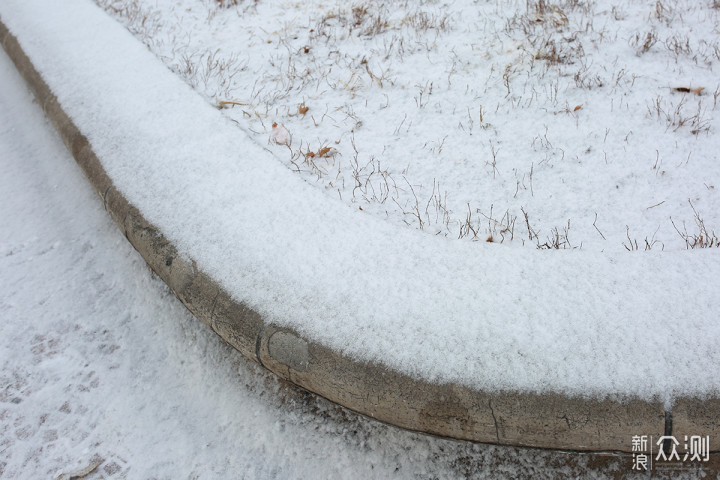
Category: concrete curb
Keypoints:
(450, 410)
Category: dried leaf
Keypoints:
(577, 107)
(302, 109)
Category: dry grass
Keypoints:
(702, 237)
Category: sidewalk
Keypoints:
(469, 341)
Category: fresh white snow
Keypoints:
(579, 322)
(459, 118)
(100, 365)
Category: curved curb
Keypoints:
(450, 410)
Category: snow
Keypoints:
(580, 322)
(100, 365)
(472, 114)
(279, 134)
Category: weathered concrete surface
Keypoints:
(447, 410)
(692, 416)
(575, 423)
(549, 420)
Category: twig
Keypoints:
(224, 103)
(596, 228)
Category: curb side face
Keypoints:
(376, 391)
(575, 423)
(694, 417)
(524, 419)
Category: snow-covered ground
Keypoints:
(101, 365)
(544, 123)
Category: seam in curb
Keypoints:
(214, 304)
(104, 197)
(667, 443)
(258, 342)
(492, 412)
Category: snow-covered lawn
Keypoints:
(551, 124)
(100, 365)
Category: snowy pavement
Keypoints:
(99, 362)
